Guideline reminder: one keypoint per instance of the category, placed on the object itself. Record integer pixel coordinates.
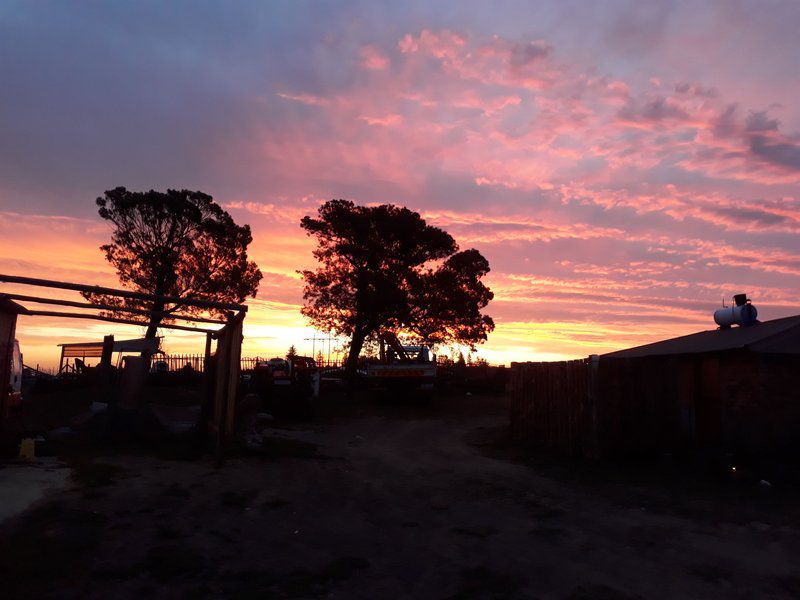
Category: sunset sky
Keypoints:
(623, 165)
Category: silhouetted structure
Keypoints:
(9, 311)
(84, 350)
(375, 275)
(222, 378)
(178, 244)
(735, 390)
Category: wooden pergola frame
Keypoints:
(221, 389)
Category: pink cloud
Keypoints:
(614, 209)
(373, 58)
(385, 120)
(305, 99)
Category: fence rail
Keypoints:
(175, 362)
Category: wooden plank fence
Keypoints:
(597, 407)
(637, 405)
(551, 405)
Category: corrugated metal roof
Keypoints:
(776, 336)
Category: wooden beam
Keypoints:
(52, 313)
(108, 350)
(96, 289)
(135, 311)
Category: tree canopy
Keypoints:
(175, 243)
(384, 267)
(445, 302)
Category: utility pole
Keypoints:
(313, 339)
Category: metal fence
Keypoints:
(176, 362)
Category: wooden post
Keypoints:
(208, 346)
(222, 360)
(228, 358)
(206, 392)
(233, 375)
(108, 350)
(104, 377)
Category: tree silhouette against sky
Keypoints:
(175, 243)
(384, 268)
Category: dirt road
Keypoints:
(394, 503)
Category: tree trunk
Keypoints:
(152, 329)
(155, 321)
(356, 343)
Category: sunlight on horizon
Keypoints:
(619, 187)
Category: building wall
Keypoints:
(761, 404)
(639, 405)
(737, 401)
(8, 324)
(551, 405)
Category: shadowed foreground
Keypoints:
(392, 503)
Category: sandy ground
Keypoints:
(391, 503)
(24, 483)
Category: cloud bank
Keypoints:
(619, 190)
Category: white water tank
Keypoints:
(742, 313)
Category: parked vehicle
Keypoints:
(303, 362)
(285, 372)
(400, 365)
(287, 386)
(281, 371)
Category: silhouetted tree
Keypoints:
(446, 302)
(175, 243)
(376, 273)
(291, 354)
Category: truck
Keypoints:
(287, 386)
(402, 365)
(288, 371)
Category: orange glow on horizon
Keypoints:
(618, 203)
(593, 319)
